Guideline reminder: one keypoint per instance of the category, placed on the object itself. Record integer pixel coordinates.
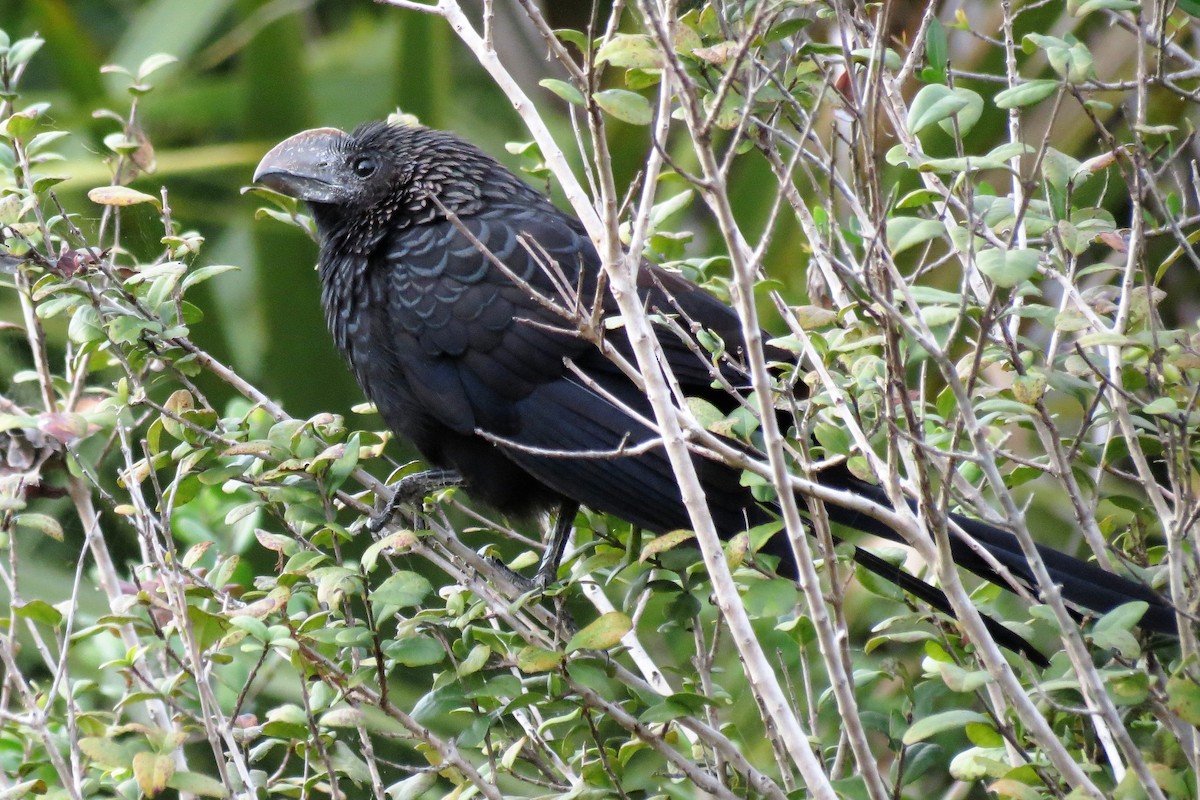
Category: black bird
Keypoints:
(439, 271)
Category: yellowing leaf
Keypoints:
(537, 659)
(632, 51)
(602, 634)
(660, 544)
(121, 196)
(152, 771)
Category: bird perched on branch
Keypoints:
(454, 290)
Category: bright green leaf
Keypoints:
(626, 106)
(403, 589)
(564, 90)
(475, 660)
(1025, 94)
(1124, 617)
(906, 232)
(416, 651)
(933, 104)
(574, 37)
(85, 326)
(947, 720)
(1007, 268)
(39, 611)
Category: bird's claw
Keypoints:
(523, 584)
(409, 490)
(537, 585)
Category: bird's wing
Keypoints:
(463, 314)
(463, 318)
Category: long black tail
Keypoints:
(938, 600)
(911, 584)
(1082, 584)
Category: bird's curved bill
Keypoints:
(307, 166)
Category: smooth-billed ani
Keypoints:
(441, 272)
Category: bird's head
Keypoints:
(379, 176)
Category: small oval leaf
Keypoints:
(906, 232)
(152, 771)
(626, 106)
(1007, 268)
(1183, 698)
(403, 589)
(1026, 94)
(120, 196)
(933, 104)
(43, 523)
(537, 659)
(602, 634)
(564, 90)
(665, 542)
(947, 720)
(966, 117)
(632, 51)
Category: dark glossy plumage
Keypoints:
(462, 359)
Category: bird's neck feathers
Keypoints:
(428, 176)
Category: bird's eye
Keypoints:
(364, 166)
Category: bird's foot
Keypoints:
(545, 577)
(539, 584)
(522, 584)
(409, 490)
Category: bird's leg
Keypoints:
(410, 489)
(548, 568)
